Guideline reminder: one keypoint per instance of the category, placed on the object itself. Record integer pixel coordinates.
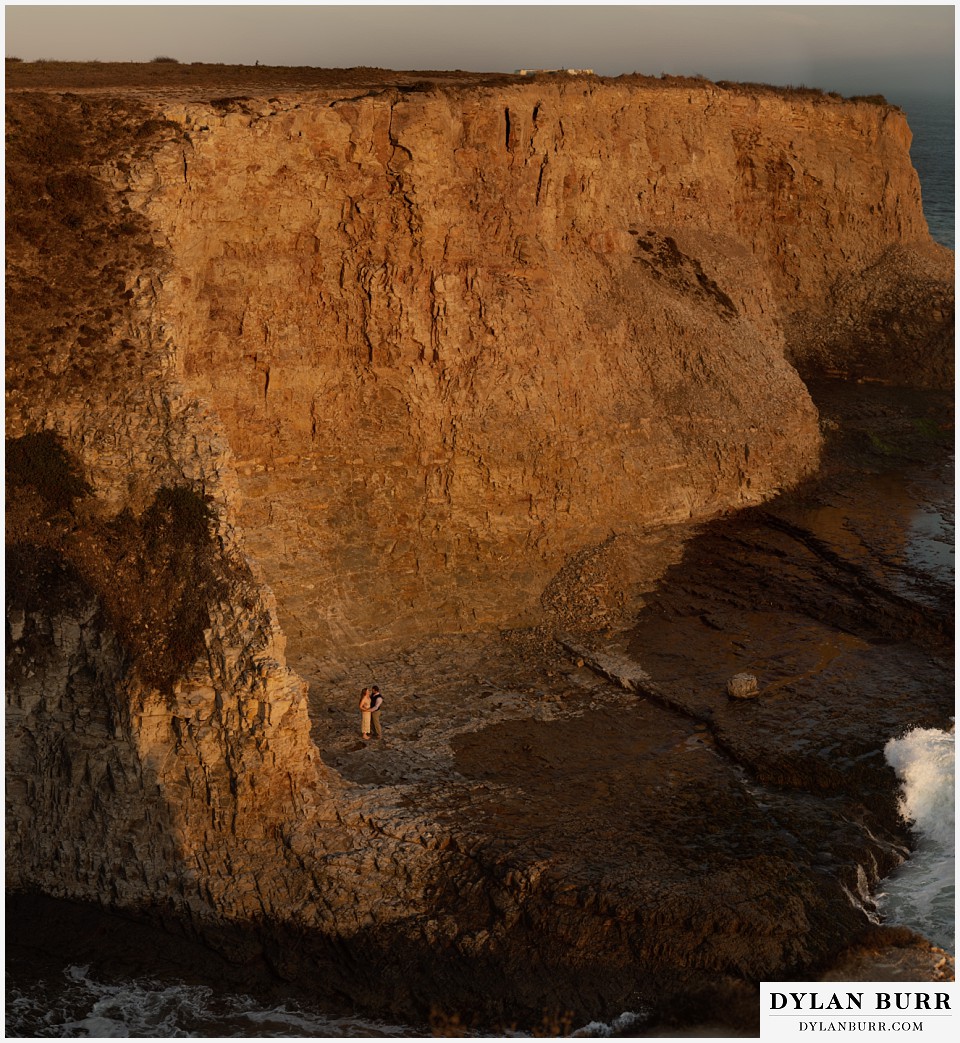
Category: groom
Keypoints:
(376, 701)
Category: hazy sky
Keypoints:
(890, 49)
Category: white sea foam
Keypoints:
(81, 1006)
(618, 1027)
(921, 893)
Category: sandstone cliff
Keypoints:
(453, 336)
(418, 351)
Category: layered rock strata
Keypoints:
(417, 351)
(520, 319)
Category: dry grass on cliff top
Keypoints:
(165, 73)
(169, 73)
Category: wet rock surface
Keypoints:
(703, 838)
(599, 795)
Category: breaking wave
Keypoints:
(921, 893)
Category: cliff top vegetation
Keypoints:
(165, 72)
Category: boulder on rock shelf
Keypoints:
(743, 686)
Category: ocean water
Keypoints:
(932, 152)
(78, 1004)
(922, 894)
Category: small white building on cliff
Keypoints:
(549, 72)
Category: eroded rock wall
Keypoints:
(133, 797)
(454, 337)
(186, 792)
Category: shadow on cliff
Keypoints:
(154, 576)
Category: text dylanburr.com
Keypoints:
(861, 1010)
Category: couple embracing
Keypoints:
(370, 702)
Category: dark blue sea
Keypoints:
(931, 120)
(65, 999)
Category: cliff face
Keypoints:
(454, 335)
(458, 336)
(420, 353)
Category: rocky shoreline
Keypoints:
(618, 767)
(608, 781)
(537, 383)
